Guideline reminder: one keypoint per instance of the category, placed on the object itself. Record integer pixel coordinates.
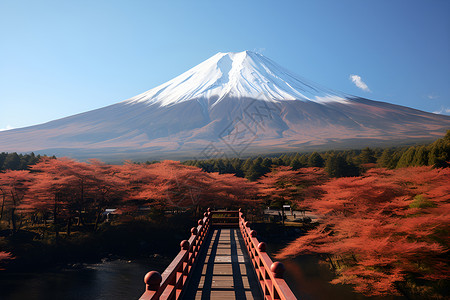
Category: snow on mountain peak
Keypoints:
(238, 75)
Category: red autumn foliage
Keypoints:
(229, 191)
(294, 186)
(64, 188)
(13, 186)
(5, 256)
(170, 184)
(377, 229)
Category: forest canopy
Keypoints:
(383, 215)
(336, 163)
(382, 230)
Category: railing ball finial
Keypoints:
(253, 233)
(193, 231)
(184, 245)
(277, 269)
(152, 279)
(208, 210)
(200, 222)
(262, 247)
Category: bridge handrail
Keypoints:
(270, 274)
(225, 218)
(170, 283)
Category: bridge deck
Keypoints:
(224, 271)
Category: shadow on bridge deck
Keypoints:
(224, 270)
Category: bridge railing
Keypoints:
(225, 218)
(170, 283)
(270, 274)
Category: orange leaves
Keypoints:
(13, 185)
(73, 185)
(377, 228)
(5, 256)
(172, 184)
(307, 244)
(283, 183)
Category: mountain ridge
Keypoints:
(236, 74)
(230, 108)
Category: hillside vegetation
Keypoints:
(384, 228)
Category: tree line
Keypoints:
(68, 192)
(385, 232)
(343, 163)
(14, 161)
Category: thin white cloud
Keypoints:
(432, 97)
(443, 111)
(259, 50)
(8, 127)
(356, 79)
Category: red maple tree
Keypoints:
(170, 184)
(4, 256)
(382, 227)
(284, 185)
(13, 187)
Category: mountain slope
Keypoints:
(231, 104)
(235, 75)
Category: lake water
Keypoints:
(310, 280)
(122, 279)
(117, 279)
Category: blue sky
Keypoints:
(59, 58)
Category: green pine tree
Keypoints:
(315, 160)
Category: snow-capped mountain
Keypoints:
(232, 104)
(236, 75)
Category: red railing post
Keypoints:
(169, 284)
(270, 274)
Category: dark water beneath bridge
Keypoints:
(122, 279)
(310, 280)
(117, 279)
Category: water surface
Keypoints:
(117, 279)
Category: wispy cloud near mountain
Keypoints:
(356, 79)
(8, 127)
(443, 111)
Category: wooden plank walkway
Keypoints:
(224, 271)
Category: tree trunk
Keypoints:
(97, 220)
(55, 223)
(13, 220)
(3, 207)
(69, 224)
(20, 223)
(331, 262)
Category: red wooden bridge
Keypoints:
(222, 259)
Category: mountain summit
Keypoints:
(232, 104)
(237, 75)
